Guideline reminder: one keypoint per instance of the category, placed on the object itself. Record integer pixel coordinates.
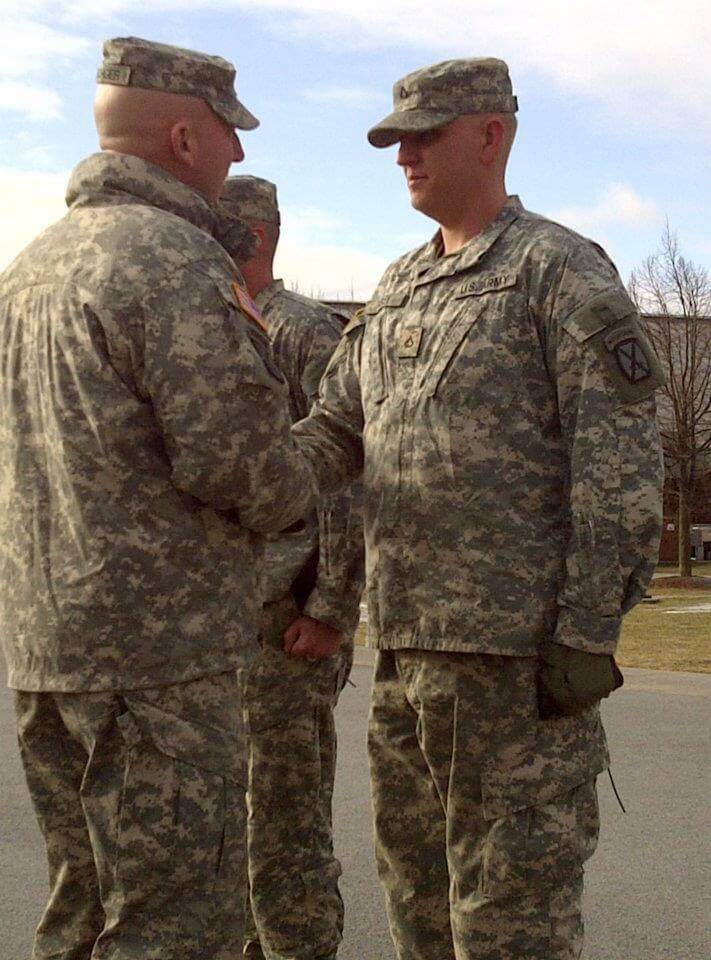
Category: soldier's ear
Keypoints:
(184, 143)
(259, 232)
(494, 136)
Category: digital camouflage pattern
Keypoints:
(251, 198)
(435, 95)
(144, 443)
(133, 62)
(234, 235)
(297, 907)
(304, 334)
(503, 808)
(140, 798)
(512, 469)
(512, 482)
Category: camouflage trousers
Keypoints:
(296, 907)
(483, 814)
(140, 798)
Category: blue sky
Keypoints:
(614, 121)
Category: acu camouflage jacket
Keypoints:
(304, 333)
(144, 436)
(500, 402)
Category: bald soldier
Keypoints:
(144, 448)
(500, 391)
(311, 588)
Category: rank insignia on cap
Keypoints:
(631, 360)
(248, 306)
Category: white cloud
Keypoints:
(410, 239)
(309, 255)
(29, 48)
(345, 96)
(328, 271)
(311, 258)
(619, 204)
(29, 202)
(646, 60)
(35, 102)
(306, 223)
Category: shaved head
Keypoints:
(141, 119)
(177, 132)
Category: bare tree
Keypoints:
(675, 295)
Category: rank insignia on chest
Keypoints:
(632, 360)
(409, 342)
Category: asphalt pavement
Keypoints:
(648, 885)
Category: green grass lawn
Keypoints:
(699, 568)
(672, 634)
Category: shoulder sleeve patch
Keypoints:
(248, 307)
(609, 325)
(600, 312)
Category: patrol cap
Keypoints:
(435, 95)
(132, 62)
(250, 198)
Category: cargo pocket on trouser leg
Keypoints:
(304, 916)
(531, 874)
(325, 907)
(539, 824)
(179, 857)
(538, 847)
(178, 807)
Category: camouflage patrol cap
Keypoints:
(132, 62)
(435, 95)
(250, 198)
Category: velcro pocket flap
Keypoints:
(210, 748)
(448, 349)
(559, 756)
(609, 326)
(598, 313)
(397, 299)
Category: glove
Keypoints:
(570, 680)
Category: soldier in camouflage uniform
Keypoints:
(312, 582)
(499, 393)
(144, 448)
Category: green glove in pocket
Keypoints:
(570, 680)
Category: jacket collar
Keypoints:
(121, 178)
(431, 265)
(267, 294)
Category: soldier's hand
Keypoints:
(570, 680)
(311, 639)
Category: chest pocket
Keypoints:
(374, 378)
(474, 297)
(447, 352)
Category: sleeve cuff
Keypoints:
(342, 612)
(586, 630)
